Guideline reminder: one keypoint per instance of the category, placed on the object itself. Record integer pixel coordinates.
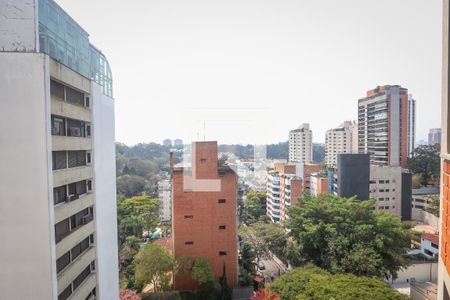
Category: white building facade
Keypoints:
(165, 198)
(57, 181)
(343, 139)
(300, 144)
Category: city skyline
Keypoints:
(255, 59)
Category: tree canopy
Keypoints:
(253, 206)
(153, 264)
(313, 283)
(426, 163)
(346, 236)
(135, 215)
(264, 239)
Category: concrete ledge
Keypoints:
(70, 143)
(65, 210)
(68, 110)
(70, 175)
(74, 269)
(74, 238)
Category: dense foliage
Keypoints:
(153, 264)
(265, 239)
(426, 163)
(313, 283)
(253, 207)
(136, 214)
(434, 205)
(346, 236)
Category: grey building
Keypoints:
(351, 176)
(434, 136)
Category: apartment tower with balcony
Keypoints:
(342, 139)
(204, 213)
(444, 232)
(386, 125)
(57, 180)
(300, 144)
(284, 188)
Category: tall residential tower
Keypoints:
(57, 177)
(343, 139)
(300, 144)
(386, 125)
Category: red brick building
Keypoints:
(204, 213)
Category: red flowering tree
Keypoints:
(128, 295)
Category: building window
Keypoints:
(59, 160)
(62, 229)
(74, 96)
(222, 227)
(57, 89)
(76, 158)
(222, 253)
(58, 126)
(189, 217)
(203, 160)
(62, 262)
(189, 243)
(80, 278)
(66, 293)
(222, 201)
(434, 246)
(59, 194)
(75, 128)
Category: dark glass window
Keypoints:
(62, 262)
(58, 126)
(189, 243)
(76, 158)
(222, 227)
(56, 89)
(189, 217)
(222, 253)
(66, 293)
(222, 201)
(59, 194)
(80, 248)
(80, 278)
(74, 96)
(75, 128)
(62, 229)
(59, 160)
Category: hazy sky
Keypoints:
(251, 70)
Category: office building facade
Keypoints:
(434, 136)
(351, 176)
(386, 125)
(391, 187)
(204, 218)
(343, 139)
(300, 144)
(58, 185)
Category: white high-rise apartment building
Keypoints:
(343, 139)
(57, 178)
(165, 198)
(300, 144)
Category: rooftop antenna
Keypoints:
(204, 129)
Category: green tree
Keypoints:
(253, 206)
(226, 293)
(153, 265)
(313, 283)
(265, 239)
(130, 185)
(434, 205)
(346, 236)
(426, 163)
(126, 255)
(136, 214)
(203, 273)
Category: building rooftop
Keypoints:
(434, 238)
(426, 191)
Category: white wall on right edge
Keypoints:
(105, 194)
